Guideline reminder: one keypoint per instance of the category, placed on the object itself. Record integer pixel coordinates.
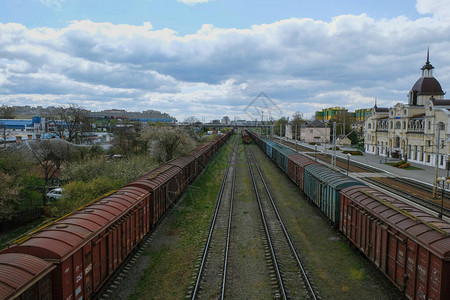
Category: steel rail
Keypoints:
(211, 229)
(416, 199)
(227, 247)
(266, 229)
(294, 251)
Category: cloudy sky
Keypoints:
(211, 58)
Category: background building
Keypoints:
(417, 131)
(315, 132)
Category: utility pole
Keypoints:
(333, 158)
(436, 161)
(296, 138)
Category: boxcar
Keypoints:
(163, 185)
(296, 168)
(280, 154)
(313, 185)
(24, 277)
(89, 245)
(245, 137)
(330, 204)
(410, 246)
(188, 172)
(267, 146)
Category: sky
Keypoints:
(215, 58)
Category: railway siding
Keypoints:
(338, 271)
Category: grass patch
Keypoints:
(407, 168)
(169, 274)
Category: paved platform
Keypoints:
(425, 174)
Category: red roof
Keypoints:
(62, 238)
(156, 178)
(423, 227)
(20, 271)
(301, 160)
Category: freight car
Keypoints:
(25, 277)
(81, 251)
(245, 137)
(410, 246)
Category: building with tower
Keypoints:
(417, 131)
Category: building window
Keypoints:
(428, 158)
(429, 125)
(398, 125)
(369, 126)
(311, 131)
(428, 143)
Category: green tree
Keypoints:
(166, 143)
(12, 169)
(296, 123)
(6, 112)
(281, 125)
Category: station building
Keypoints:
(417, 131)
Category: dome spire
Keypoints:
(427, 69)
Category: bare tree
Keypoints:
(191, 120)
(67, 122)
(49, 155)
(166, 143)
(127, 138)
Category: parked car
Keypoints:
(55, 194)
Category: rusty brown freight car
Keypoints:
(245, 137)
(163, 185)
(24, 277)
(296, 168)
(410, 246)
(188, 172)
(89, 245)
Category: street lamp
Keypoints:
(348, 161)
(443, 180)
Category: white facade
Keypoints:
(417, 131)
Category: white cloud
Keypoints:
(438, 8)
(302, 64)
(51, 3)
(193, 2)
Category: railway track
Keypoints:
(341, 163)
(411, 195)
(291, 275)
(414, 191)
(215, 253)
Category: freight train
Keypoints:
(245, 137)
(73, 257)
(410, 246)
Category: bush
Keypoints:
(405, 165)
(399, 163)
(78, 193)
